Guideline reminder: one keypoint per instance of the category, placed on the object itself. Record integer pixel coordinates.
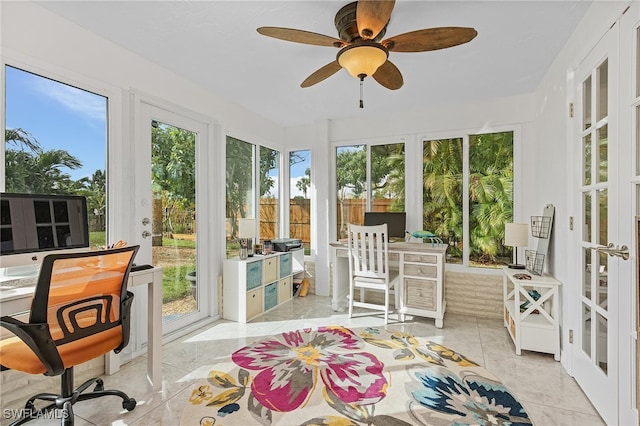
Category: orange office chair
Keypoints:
(80, 311)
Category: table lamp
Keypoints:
(246, 234)
(516, 235)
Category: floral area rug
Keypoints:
(337, 376)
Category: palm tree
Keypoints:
(40, 173)
(23, 139)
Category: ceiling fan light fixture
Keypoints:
(362, 58)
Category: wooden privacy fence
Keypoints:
(300, 216)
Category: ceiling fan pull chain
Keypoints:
(362, 76)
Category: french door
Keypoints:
(167, 181)
(601, 301)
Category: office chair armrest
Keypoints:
(38, 338)
(125, 313)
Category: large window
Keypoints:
(240, 189)
(300, 197)
(242, 168)
(269, 193)
(489, 180)
(368, 178)
(55, 142)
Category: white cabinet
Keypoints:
(422, 283)
(258, 284)
(531, 311)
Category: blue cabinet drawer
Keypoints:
(285, 265)
(270, 296)
(254, 275)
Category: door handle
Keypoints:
(612, 250)
(146, 234)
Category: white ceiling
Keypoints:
(215, 45)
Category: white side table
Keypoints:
(531, 311)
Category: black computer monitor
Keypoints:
(33, 225)
(396, 222)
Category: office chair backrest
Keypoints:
(81, 294)
(369, 251)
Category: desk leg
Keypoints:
(154, 332)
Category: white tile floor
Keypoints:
(548, 394)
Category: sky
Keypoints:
(58, 116)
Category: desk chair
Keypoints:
(80, 311)
(369, 266)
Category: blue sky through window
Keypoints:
(58, 116)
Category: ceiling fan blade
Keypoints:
(430, 39)
(321, 74)
(372, 16)
(389, 76)
(301, 36)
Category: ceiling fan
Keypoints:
(361, 25)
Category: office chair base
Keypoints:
(66, 401)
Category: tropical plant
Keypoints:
(41, 173)
(173, 171)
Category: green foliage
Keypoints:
(490, 192)
(29, 169)
(41, 172)
(175, 285)
(173, 171)
(97, 238)
(239, 183)
(304, 182)
(351, 171)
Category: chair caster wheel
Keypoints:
(129, 404)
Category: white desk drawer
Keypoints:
(420, 294)
(420, 258)
(421, 270)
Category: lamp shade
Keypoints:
(247, 228)
(362, 59)
(516, 234)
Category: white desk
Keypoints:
(421, 278)
(17, 298)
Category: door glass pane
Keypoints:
(603, 89)
(269, 193)
(300, 193)
(603, 146)
(586, 279)
(442, 192)
(586, 158)
(56, 143)
(586, 213)
(601, 343)
(351, 185)
(240, 189)
(173, 224)
(586, 329)
(603, 267)
(586, 103)
(602, 217)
